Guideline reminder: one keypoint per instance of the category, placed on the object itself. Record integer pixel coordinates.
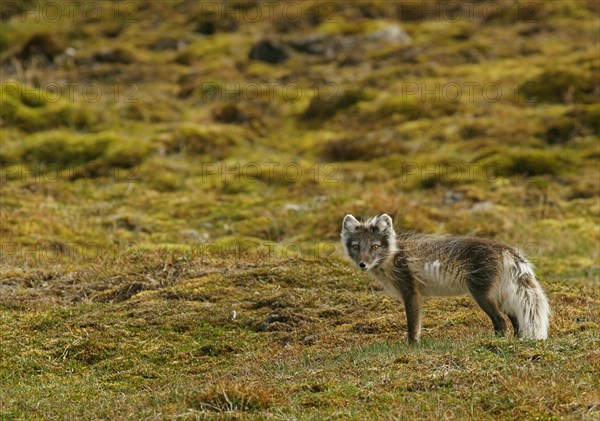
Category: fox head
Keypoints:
(368, 243)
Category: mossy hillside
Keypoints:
(135, 224)
(323, 351)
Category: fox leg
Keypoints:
(412, 307)
(515, 323)
(491, 309)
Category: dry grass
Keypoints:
(169, 249)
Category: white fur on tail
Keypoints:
(522, 296)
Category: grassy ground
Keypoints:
(170, 208)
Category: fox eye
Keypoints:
(375, 246)
(355, 247)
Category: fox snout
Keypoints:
(365, 261)
(366, 265)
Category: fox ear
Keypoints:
(350, 223)
(384, 222)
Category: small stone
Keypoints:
(391, 33)
(451, 197)
(482, 206)
(292, 207)
(269, 51)
(41, 44)
(308, 340)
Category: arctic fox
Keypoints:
(412, 267)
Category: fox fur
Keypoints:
(413, 267)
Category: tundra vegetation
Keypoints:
(174, 176)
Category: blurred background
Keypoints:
(182, 122)
(144, 143)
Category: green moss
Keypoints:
(32, 110)
(408, 107)
(325, 105)
(211, 140)
(209, 51)
(136, 282)
(559, 85)
(63, 148)
(125, 152)
(586, 119)
(560, 131)
(528, 162)
(162, 181)
(509, 14)
(363, 148)
(149, 111)
(56, 150)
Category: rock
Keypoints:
(308, 340)
(215, 350)
(270, 320)
(197, 236)
(113, 31)
(452, 197)
(206, 28)
(229, 114)
(168, 43)
(366, 328)
(278, 322)
(482, 206)
(41, 44)
(320, 44)
(269, 51)
(292, 207)
(391, 33)
(331, 45)
(211, 26)
(113, 55)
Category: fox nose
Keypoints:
(362, 265)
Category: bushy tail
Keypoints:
(522, 297)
